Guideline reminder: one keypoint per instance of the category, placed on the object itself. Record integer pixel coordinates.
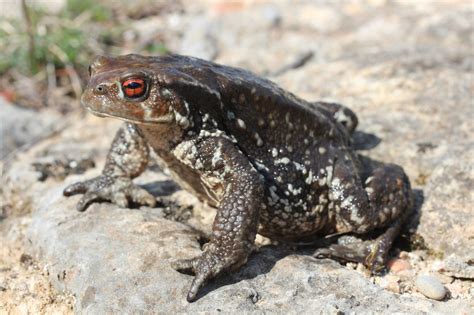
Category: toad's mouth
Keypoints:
(146, 121)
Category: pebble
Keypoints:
(397, 265)
(445, 279)
(456, 289)
(390, 282)
(404, 255)
(430, 287)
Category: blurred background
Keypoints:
(405, 67)
(46, 46)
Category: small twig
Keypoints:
(298, 63)
(31, 34)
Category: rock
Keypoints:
(397, 265)
(447, 231)
(404, 255)
(456, 289)
(430, 287)
(458, 267)
(199, 41)
(20, 126)
(390, 282)
(24, 289)
(49, 6)
(443, 278)
(3, 283)
(118, 260)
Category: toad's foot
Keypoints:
(372, 253)
(119, 190)
(207, 266)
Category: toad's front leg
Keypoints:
(127, 158)
(224, 166)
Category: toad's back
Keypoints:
(267, 122)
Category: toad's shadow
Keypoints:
(263, 261)
(259, 263)
(364, 141)
(162, 188)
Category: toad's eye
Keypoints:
(134, 88)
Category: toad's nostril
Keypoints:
(100, 89)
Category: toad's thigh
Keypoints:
(362, 206)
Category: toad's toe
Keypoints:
(143, 197)
(86, 200)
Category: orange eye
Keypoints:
(134, 88)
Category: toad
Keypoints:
(268, 161)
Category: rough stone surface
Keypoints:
(406, 70)
(19, 126)
(25, 287)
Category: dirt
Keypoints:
(24, 284)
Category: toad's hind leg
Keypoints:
(236, 221)
(372, 253)
(340, 113)
(384, 201)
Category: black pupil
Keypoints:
(134, 85)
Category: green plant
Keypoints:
(98, 12)
(156, 48)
